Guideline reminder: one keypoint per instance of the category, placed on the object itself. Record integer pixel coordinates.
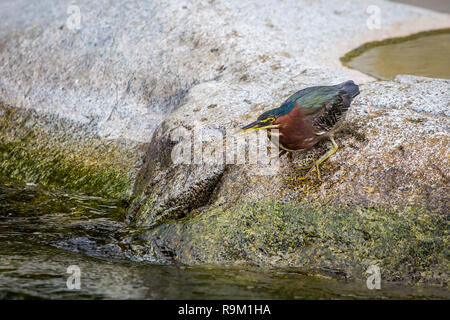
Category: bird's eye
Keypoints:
(271, 119)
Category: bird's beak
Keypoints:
(257, 125)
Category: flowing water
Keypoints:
(42, 233)
(426, 56)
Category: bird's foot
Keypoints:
(305, 168)
(312, 168)
(315, 165)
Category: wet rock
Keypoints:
(342, 241)
(47, 150)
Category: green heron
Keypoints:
(307, 117)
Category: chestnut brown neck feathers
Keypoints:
(296, 132)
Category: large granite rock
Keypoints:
(393, 154)
(384, 198)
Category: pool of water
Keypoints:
(44, 232)
(426, 56)
(437, 5)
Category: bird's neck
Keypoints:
(295, 131)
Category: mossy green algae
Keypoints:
(408, 246)
(32, 152)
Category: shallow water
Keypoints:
(426, 56)
(43, 232)
(437, 5)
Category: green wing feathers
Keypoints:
(313, 99)
(325, 104)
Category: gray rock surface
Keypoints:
(393, 154)
(131, 62)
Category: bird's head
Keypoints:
(265, 121)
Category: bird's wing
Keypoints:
(324, 106)
(331, 113)
(312, 99)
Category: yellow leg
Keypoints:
(316, 164)
(305, 168)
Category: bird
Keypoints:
(307, 117)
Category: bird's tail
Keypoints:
(350, 88)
